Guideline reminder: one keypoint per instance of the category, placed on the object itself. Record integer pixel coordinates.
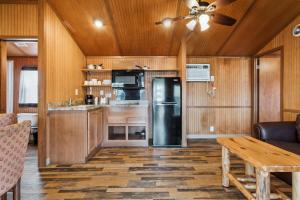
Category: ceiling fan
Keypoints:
(202, 12)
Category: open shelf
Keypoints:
(96, 70)
(109, 70)
(96, 86)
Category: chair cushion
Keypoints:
(298, 127)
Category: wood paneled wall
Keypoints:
(127, 62)
(291, 69)
(230, 110)
(64, 60)
(60, 64)
(18, 20)
(19, 62)
(181, 63)
(3, 69)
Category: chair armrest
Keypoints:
(280, 131)
(7, 119)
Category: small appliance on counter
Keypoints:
(89, 99)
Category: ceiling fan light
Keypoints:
(204, 18)
(167, 22)
(204, 26)
(191, 25)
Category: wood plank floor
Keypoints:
(136, 173)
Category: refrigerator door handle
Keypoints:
(166, 104)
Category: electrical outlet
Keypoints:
(76, 92)
(211, 129)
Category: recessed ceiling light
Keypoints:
(98, 23)
(167, 22)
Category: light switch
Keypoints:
(211, 129)
(212, 78)
(76, 92)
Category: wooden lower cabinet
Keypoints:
(74, 135)
(95, 129)
(126, 126)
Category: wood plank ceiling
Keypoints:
(130, 30)
(22, 49)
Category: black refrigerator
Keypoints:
(166, 111)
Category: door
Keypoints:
(269, 87)
(92, 130)
(99, 127)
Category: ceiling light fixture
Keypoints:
(191, 25)
(167, 22)
(98, 23)
(203, 20)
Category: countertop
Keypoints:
(94, 107)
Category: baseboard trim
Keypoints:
(213, 136)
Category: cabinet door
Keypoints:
(92, 130)
(100, 127)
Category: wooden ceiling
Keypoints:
(22, 49)
(130, 30)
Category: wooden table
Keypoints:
(262, 158)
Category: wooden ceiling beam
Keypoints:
(236, 27)
(179, 4)
(113, 25)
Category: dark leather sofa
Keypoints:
(280, 134)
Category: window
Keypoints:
(28, 91)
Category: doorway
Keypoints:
(269, 73)
(19, 86)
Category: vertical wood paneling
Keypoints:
(60, 64)
(230, 110)
(19, 62)
(64, 60)
(128, 62)
(18, 20)
(291, 68)
(181, 63)
(3, 68)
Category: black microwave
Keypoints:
(128, 79)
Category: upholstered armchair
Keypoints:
(7, 119)
(13, 146)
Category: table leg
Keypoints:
(225, 166)
(262, 185)
(296, 185)
(249, 169)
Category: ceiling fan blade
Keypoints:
(191, 25)
(219, 3)
(172, 19)
(192, 3)
(222, 19)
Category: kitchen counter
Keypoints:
(94, 107)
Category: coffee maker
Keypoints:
(89, 99)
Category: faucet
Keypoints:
(70, 102)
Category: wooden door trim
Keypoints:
(255, 77)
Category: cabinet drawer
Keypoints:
(136, 120)
(116, 120)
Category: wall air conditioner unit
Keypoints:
(198, 72)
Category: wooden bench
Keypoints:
(263, 159)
